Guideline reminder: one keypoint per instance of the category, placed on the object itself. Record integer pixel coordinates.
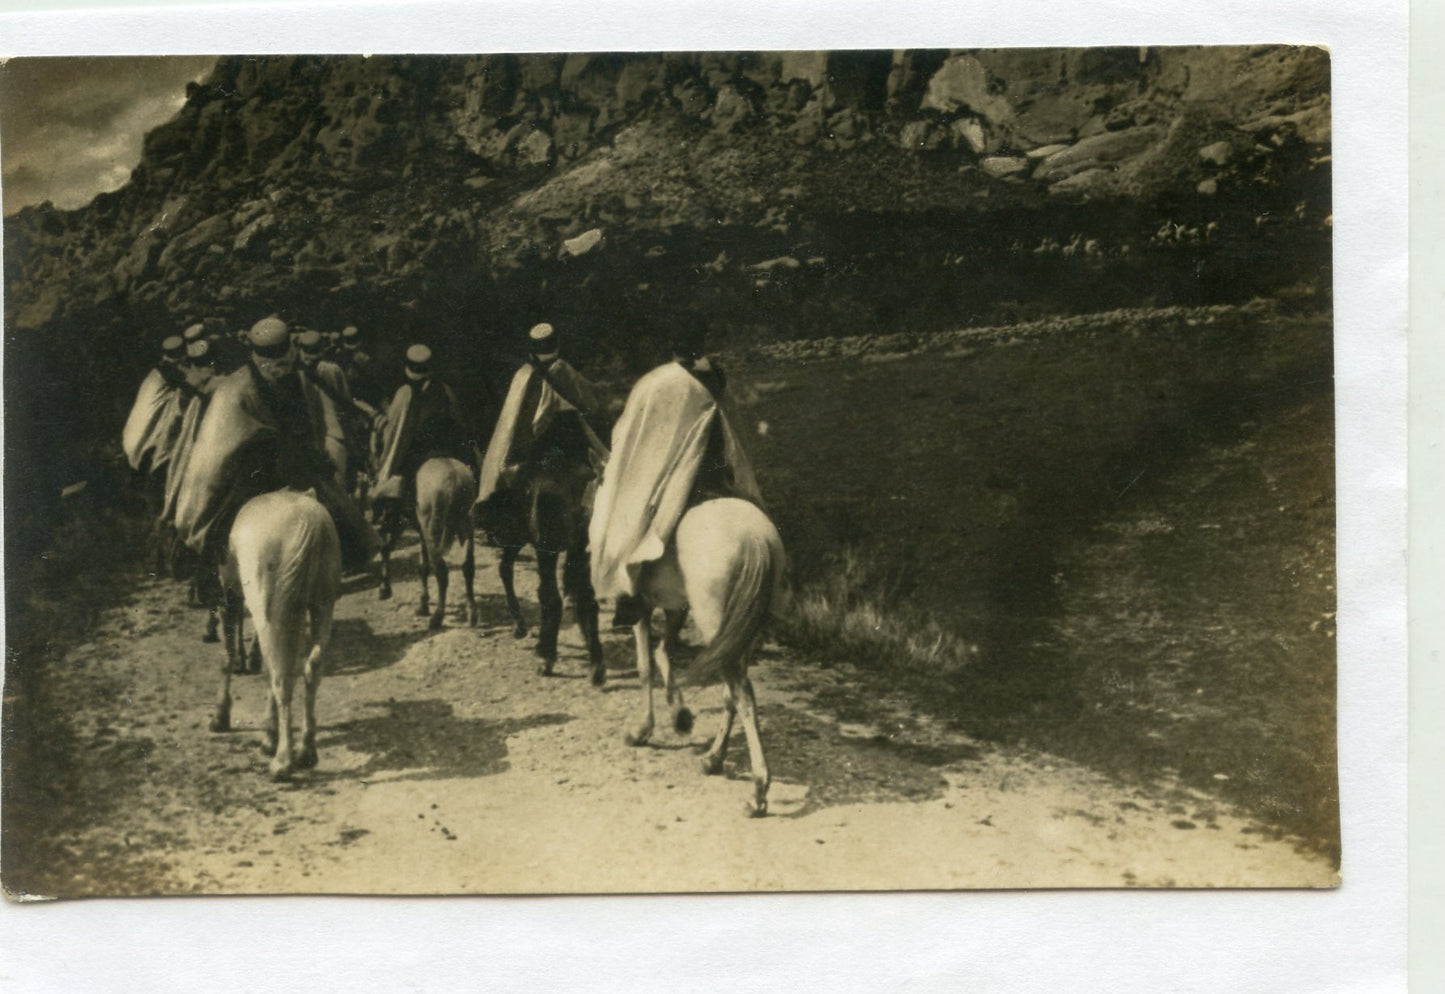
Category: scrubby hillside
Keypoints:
(790, 194)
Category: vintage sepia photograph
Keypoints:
(680, 472)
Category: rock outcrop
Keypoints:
(455, 198)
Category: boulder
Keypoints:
(1110, 146)
(535, 149)
(1217, 154)
(732, 109)
(963, 83)
(1004, 165)
(252, 238)
(920, 136)
(968, 133)
(588, 241)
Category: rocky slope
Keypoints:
(790, 194)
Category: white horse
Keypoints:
(726, 565)
(285, 563)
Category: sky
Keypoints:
(71, 128)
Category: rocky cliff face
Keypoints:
(791, 194)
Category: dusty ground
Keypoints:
(447, 765)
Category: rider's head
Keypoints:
(542, 342)
(689, 339)
(198, 353)
(271, 349)
(418, 364)
(312, 347)
(173, 349)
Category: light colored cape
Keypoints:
(214, 481)
(203, 382)
(576, 394)
(403, 418)
(154, 422)
(657, 449)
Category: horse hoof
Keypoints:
(473, 618)
(221, 723)
(544, 668)
(519, 632)
(267, 747)
(636, 739)
(240, 669)
(307, 759)
(210, 637)
(682, 721)
(599, 676)
(423, 610)
(711, 766)
(757, 810)
(280, 772)
(384, 594)
(437, 623)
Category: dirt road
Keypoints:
(447, 765)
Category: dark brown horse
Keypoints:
(545, 505)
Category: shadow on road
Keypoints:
(355, 648)
(427, 741)
(841, 770)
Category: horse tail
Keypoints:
(746, 610)
(306, 568)
(444, 490)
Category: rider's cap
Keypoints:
(350, 337)
(418, 362)
(311, 343)
(174, 347)
(270, 337)
(542, 339)
(194, 332)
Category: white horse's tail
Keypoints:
(746, 611)
(288, 557)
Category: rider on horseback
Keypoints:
(543, 428)
(674, 446)
(425, 421)
(263, 430)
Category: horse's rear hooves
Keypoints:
(544, 668)
(682, 721)
(280, 774)
(384, 594)
(307, 759)
(221, 723)
(210, 637)
(711, 766)
(519, 632)
(755, 811)
(599, 676)
(423, 611)
(636, 739)
(437, 623)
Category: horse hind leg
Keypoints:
(221, 720)
(642, 635)
(469, 573)
(748, 707)
(550, 600)
(388, 538)
(577, 584)
(311, 673)
(505, 570)
(440, 571)
(424, 608)
(672, 626)
(712, 762)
